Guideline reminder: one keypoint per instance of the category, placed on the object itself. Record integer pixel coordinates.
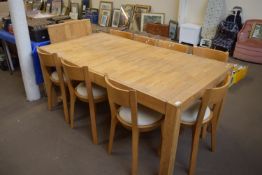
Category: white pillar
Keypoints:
(182, 10)
(23, 44)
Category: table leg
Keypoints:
(170, 139)
(8, 56)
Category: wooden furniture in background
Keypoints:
(80, 87)
(145, 39)
(173, 46)
(211, 53)
(137, 118)
(69, 30)
(123, 34)
(48, 62)
(204, 112)
(165, 80)
(157, 29)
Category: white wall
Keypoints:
(251, 8)
(169, 7)
(197, 8)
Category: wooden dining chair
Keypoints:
(80, 87)
(53, 76)
(69, 30)
(206, 111)
(173, 46)
(123, 34)
(125, 110)
(145, 39)
(211, 53)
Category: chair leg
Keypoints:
(65, 108)
(93, 121)
(194, 151)
(72, 109)
(204, 131)
(161, 139)
(112, 134)
(49, 95)
(213, 137)
(135, 142)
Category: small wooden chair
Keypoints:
(211, 53)
(69, 30)
(80, 87)
(204, 112)
(48, 63)
(123, 34)
(173, 46)
(137, 118)
(145, 39)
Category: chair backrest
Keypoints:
(123, 34)
(118, 96)
(145, 39)
(211, 53)
(73, 73)
(69, 30)
(49, 61)
(214, 99)
(173, 46)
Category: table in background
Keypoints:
(166, 81)
(8, 37)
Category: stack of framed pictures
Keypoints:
(105, 13)
(135, 24)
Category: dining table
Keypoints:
(166, 81)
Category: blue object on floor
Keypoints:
(8, 37)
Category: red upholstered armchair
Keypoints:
(248, 48)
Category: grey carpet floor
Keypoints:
(35, 141)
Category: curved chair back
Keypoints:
(214, 99)
(173, 46)
(118, 96)
(123, 34)
(69, 30)
(145, 39)
(211, 53)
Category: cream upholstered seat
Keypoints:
(190, 115)
(126, 111)
(54, 76)
(145, 116)
(97, 90)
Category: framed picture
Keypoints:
(126, 14)
(105, 6)
(74, 7)
(56, 7)
(65, 11)
(116, 17)
(172, 29)
(135, 24)
(48, 8)
(257, 31)
(156, 18)
(102, 20)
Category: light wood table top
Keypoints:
(166, 80)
